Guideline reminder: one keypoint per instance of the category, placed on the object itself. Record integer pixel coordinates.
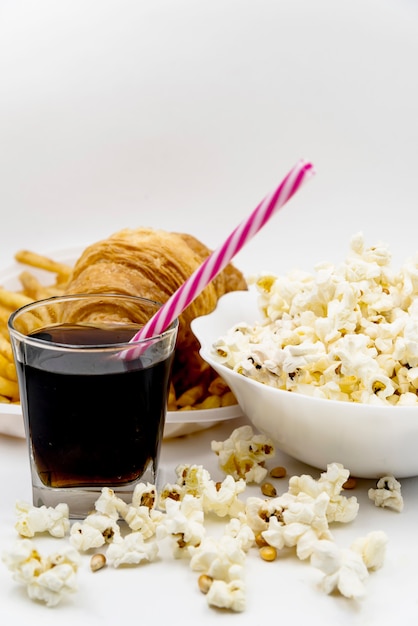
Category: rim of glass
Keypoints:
(84, 296)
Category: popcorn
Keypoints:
(32, 520)
(372, 549)
(96, 530)
(238, 528)
(192, 478)
(184, 523)
(340, 508)
(222, 498)
(344, 569)
(227, 595)
(387, 493)
(140, 515)
(242, 455)
(109, 504)
(46, 579)
(298, 518)
(222, 559)
(348, 332)
(131, 550)
(303, 523)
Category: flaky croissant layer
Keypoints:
(153, 264)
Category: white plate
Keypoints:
(178, 423)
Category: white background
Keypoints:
(182, 115)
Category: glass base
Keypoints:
(81, 500)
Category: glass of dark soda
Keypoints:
(94, 413)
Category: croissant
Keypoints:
(153, 264)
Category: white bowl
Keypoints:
(370, 441)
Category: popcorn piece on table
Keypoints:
(258, 511)
(192, 479)
(32, 519)
(94, 531)
(221, 559)
(340, 508)
(243, 454)
(46, 579)
(387, 493)
(131, 550)
(302, 524)
(183, 522)
(170, 491)
(227, 595)
(142, 514)
(372, 549)
(238, 528)
(220, 498)
(344, 569)
(109, 504)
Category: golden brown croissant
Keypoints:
(153, 264)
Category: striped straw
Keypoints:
(220, 258)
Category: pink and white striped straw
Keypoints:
(220, 257)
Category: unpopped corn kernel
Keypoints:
(204, 581)
(350, 483)
(268, 553)
(97, 561)
(267, 489)
(278, 472)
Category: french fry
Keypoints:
(228, 399)
(6, 348)
(13, 300)
(218, 386)
(191, 396)
(210, 402)
(7, 369)
(27, 257)
(4, 315)
(31, 285)
(9, 388)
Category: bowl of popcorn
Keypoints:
(326, 363)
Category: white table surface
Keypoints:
(183, 115)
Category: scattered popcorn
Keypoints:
(46, 579)
(243, 454)
(344, 569)
(96, 530)
(140, 515)
(222, 498)
(239, 529)
(221, 559)
(387, 493)
(301, 525)
(109, 504)
(193, 479)
(131, 550)
(145, 495)
(184, 523)
(32, 520)
(298, 518)
(372, 549)
(340, 508)
(169, 491)
(143, 519)
(227, 595)
(347, 332)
